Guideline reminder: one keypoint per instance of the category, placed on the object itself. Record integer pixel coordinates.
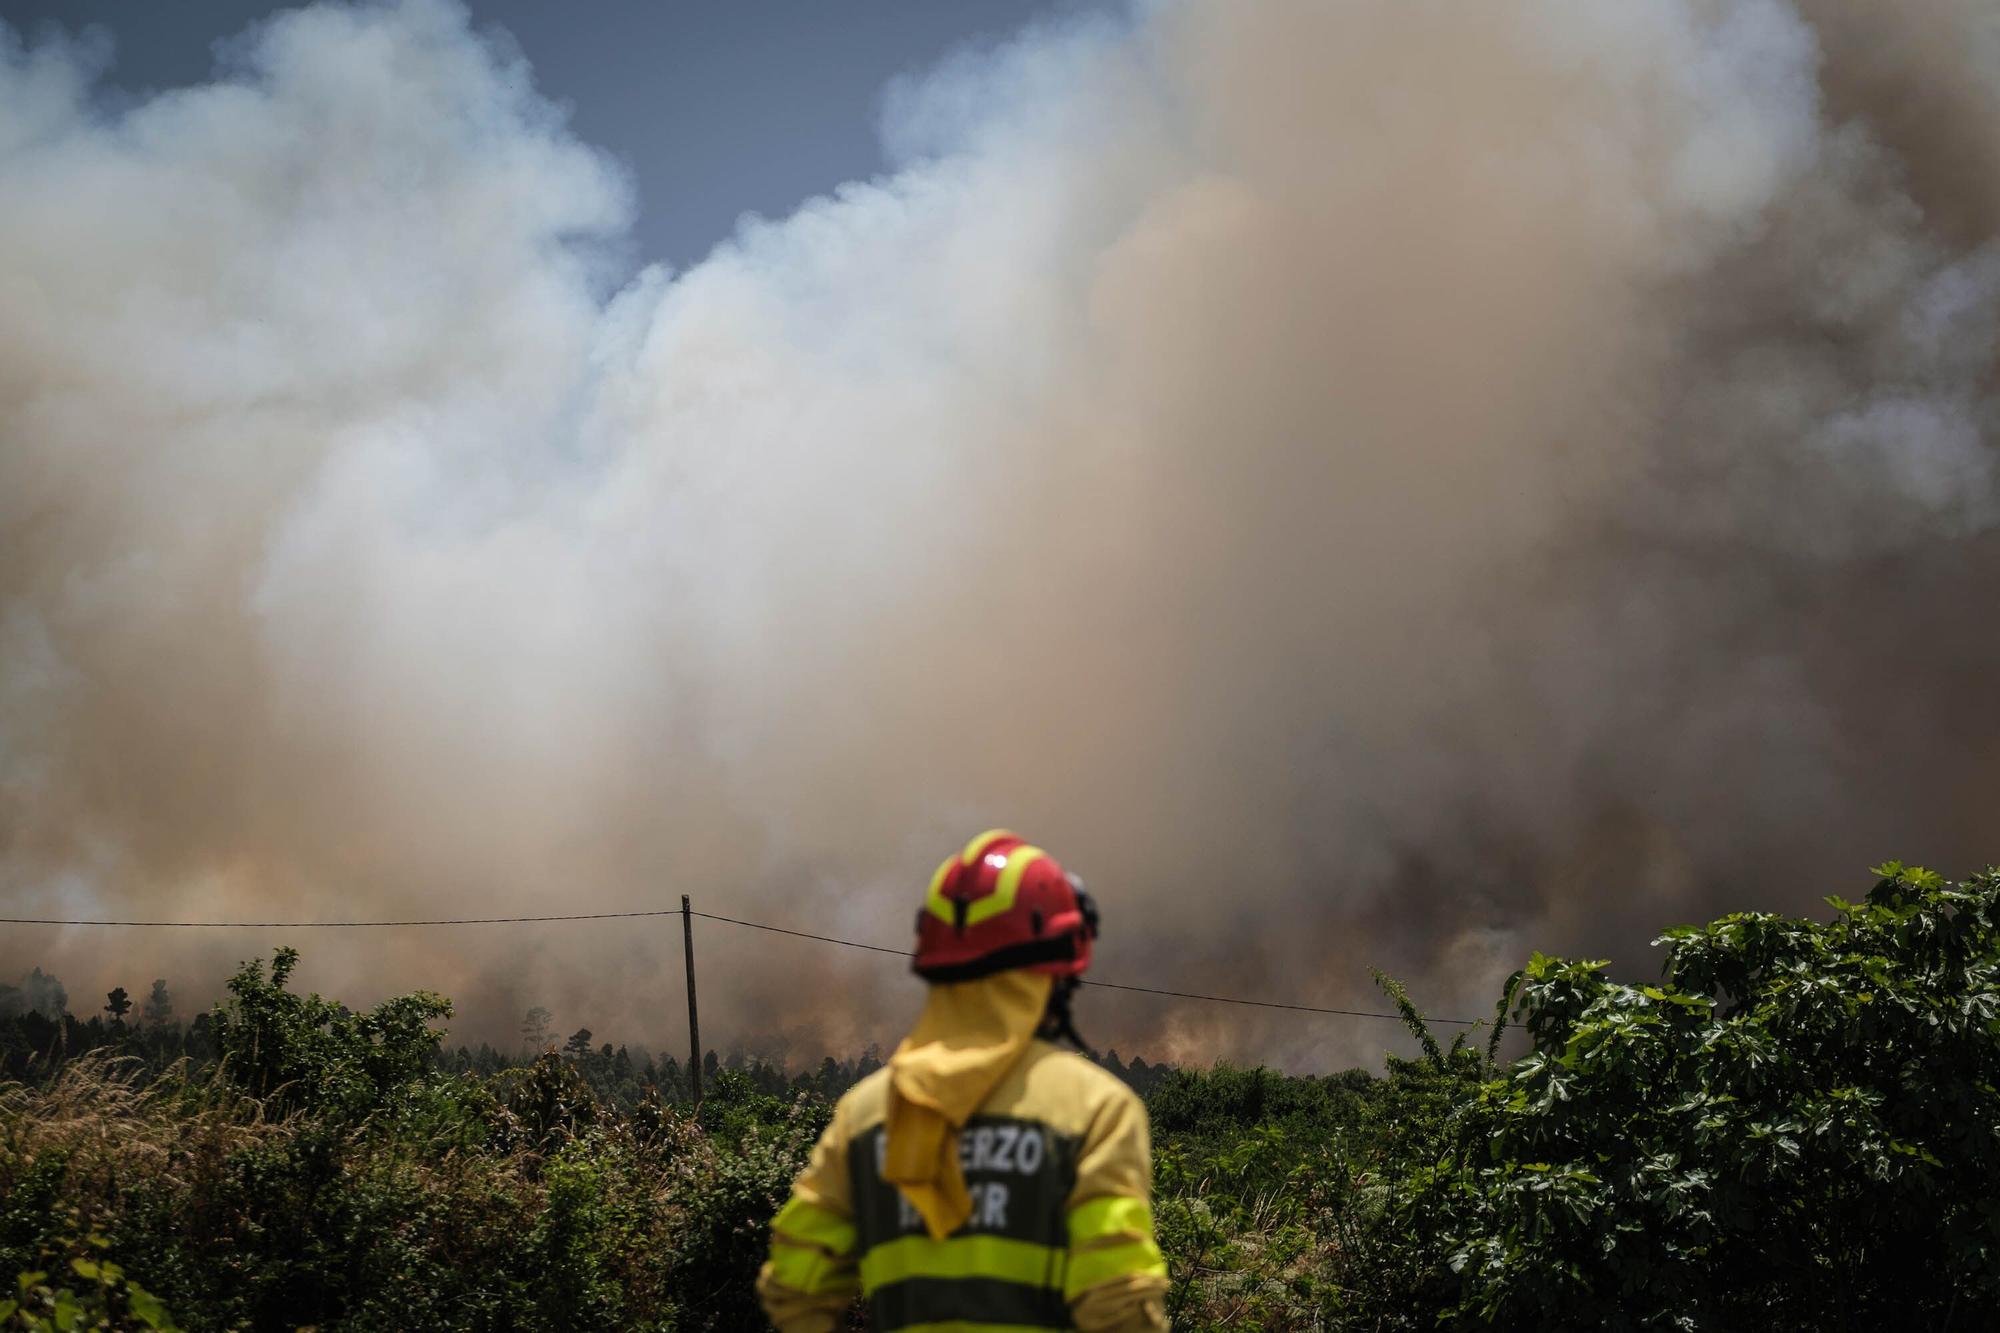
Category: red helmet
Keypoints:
(1002, 904)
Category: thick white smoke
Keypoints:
(1394, 483)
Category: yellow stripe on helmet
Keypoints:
(1000, 899)
(977, 847)
(935, 902)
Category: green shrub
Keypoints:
(1798, 1128)
(736, 1181)
(79, 1287)
(302, 1051)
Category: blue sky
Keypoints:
(718, 107)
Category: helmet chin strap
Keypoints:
(1057, 1023)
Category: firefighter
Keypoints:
(985, 1178)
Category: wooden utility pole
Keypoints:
(694, 1023)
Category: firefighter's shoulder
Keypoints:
(1060, 1088)
(1050, 1083)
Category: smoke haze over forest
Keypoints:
(1391, 484)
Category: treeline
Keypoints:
(38, 1033)
(1796, 1126)
(38, 1038)
(623, 1078)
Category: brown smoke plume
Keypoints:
(1396, 483)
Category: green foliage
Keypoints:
(1799, 1127)
(79, 1287)
(1273, 1194)
(590, 1239)
(324, 1172)
(740, 1182)
(1413, 1019)
(546, 1105)
(302, 1051)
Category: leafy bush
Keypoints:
(78, 1289)
(302, 1051)
(1277, 1199)
(324, 1174)
(1799, 1128)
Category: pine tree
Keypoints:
(159, 1005)
(535, 1031)
(45, 995)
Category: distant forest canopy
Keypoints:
(39, 1033)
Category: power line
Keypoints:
(1273, 1004)
(804, 935)
(345, 925)
(1108, 985)
(706, 916)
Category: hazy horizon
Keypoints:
(1389, 485)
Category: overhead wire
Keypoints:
(706, 916)
(347, 925)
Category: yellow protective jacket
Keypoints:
(1058, 1162)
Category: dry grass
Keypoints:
(112, 1125)
(443, 1206)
